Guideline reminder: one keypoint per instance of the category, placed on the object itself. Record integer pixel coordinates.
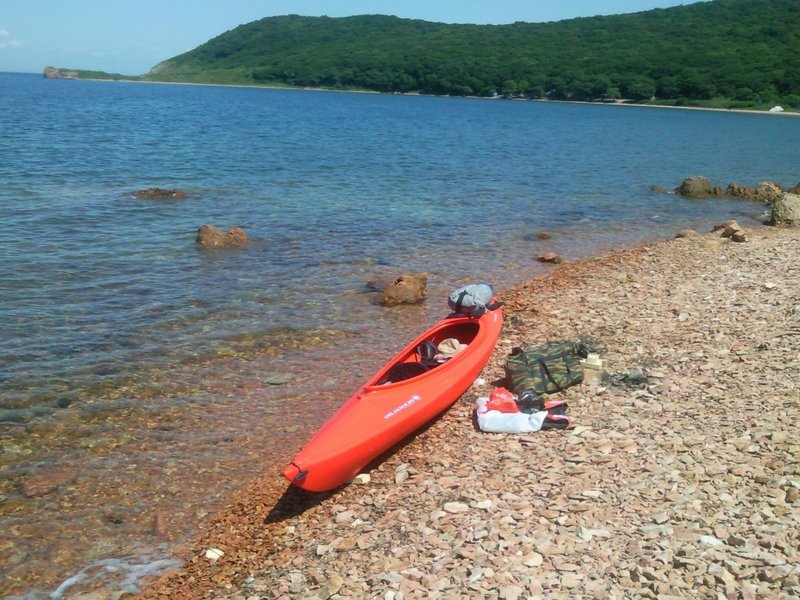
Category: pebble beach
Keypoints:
(680, 477)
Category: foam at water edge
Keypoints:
(123, 574)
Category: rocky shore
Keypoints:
(680, 478)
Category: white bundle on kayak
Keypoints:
(472, 300)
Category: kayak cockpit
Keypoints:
(438, 348)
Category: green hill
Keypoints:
(732, 53)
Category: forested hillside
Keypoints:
(723, 52)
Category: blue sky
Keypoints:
(132, 36)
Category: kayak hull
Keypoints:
(396, 401)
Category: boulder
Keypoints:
(160, 194)
(695, 187)
(550, 257)
(686, 233)
(737, 190)
(794, 190)
(409, 288)
(786, 210)
(768, 192)
(209, 236)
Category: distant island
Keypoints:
(718, 54)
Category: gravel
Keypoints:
(679, 479)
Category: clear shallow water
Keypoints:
(124, 344)
(331, 187)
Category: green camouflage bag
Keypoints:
(545, 369)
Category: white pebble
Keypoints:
(214, 554)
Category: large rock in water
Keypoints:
(696, 187)
(409, 288)
(209, 236)
(768, 192)
(786, 210)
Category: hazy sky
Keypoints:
(132, 36)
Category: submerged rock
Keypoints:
(156, 193)
(375, 285)
(550, 257)
(209, 236)
(47, 480)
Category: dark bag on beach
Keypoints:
(545, 369)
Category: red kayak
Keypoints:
(410, 390)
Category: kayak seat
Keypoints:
(404, 370)
(426, 353)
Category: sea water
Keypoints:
(141, 376)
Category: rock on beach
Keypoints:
(786, 210)
(684, 485)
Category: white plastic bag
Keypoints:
(494, 421)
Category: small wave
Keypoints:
(120, 574)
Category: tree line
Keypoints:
(734, 53)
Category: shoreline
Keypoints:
(787, 113)
(238, 445)
(656, 486)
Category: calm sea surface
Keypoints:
(142, 379)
